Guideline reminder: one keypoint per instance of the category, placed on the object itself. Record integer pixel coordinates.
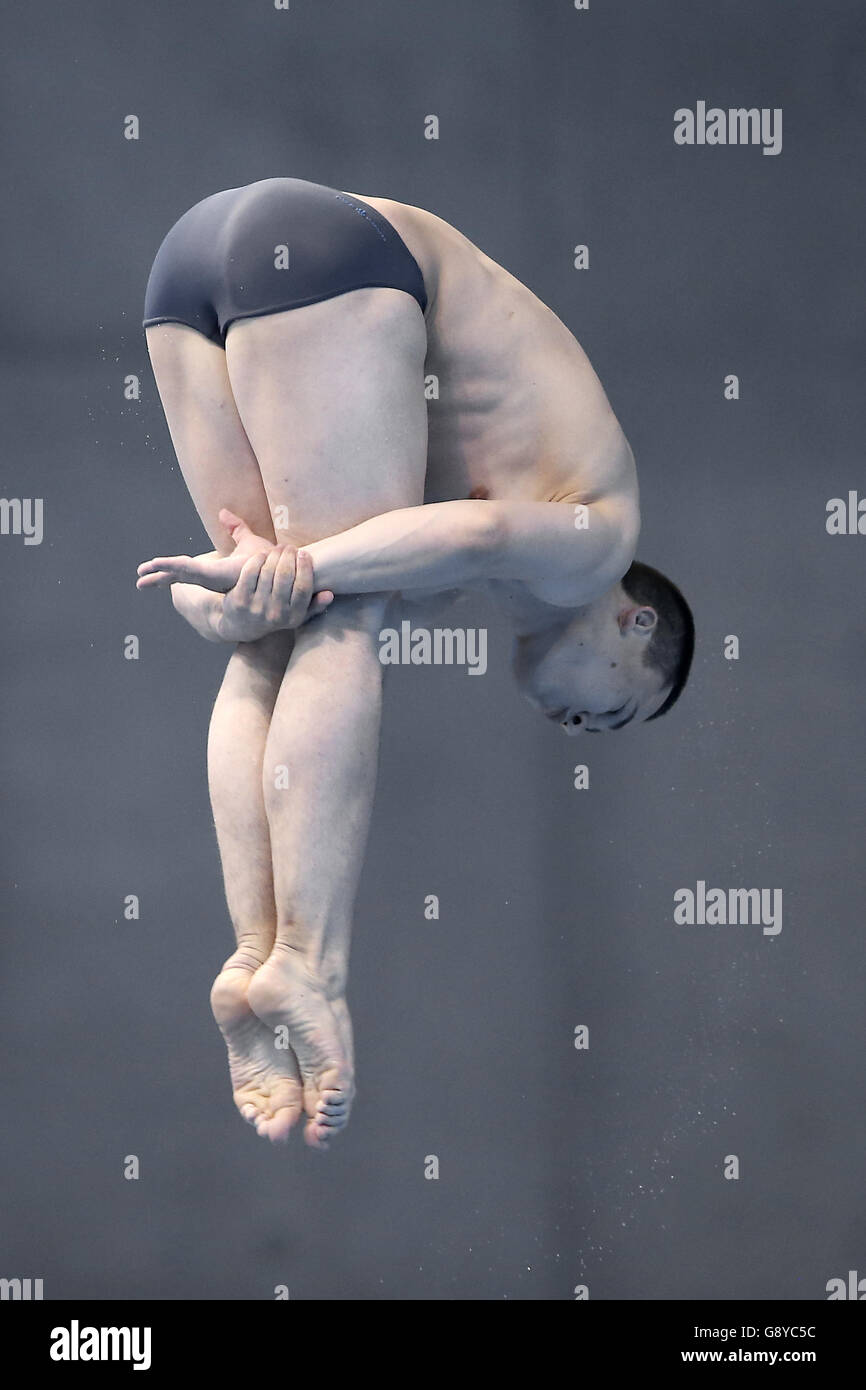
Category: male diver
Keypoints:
(291, 327)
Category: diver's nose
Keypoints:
(573, 722)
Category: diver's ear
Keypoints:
(640, 619)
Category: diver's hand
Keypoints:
(217, 572)
(273, 592)
(211, 571)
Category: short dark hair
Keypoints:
(672, 645)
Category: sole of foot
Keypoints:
(266, 1081)
(285, 996)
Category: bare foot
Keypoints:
(266, 1082)
(283, 993)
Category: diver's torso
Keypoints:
(520, 413)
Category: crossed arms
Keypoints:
(261, 587)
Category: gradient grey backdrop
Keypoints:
(557, 1167)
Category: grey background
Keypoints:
(557, 1166)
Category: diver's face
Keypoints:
(588, 674)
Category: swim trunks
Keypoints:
(273, 245)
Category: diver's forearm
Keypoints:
(441, 546)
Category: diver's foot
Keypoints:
(285, 995)
(266, 1082)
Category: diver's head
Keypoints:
(623, 658)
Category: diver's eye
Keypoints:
(622, 716)
(607, 714)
